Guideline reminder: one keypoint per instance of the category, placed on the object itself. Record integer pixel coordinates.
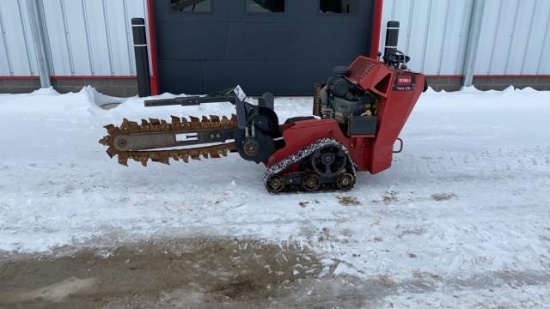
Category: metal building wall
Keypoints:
(514, 38)
(92, 37)
(86, 37)
(514, 35)
(17, 56)
(433, 33)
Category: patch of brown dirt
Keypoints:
(348, 201)
(158, 275)
(443, 196)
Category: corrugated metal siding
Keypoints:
(93, 37)
(433, 33)
(86, 37)
(514, 36)
(17, 53)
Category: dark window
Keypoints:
(191, 5)
(339, 6)
(265, 6)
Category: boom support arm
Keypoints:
(190, 101)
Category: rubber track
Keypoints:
(301, 154)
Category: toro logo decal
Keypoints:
(404, 82)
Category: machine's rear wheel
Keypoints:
(329, 161)
(345, 181)
(275, 184)
(311, 182)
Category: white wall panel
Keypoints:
(96, 29)
(538, 42)
(516, 56)
(544, 58)
(5, 63)
(86, 37)
(514, 36)
(134, 8)
(78, 39)
(418, 32)
(61, 50)
(456, 36)
(500, 49)
(6, 67)
(116, 25)
(17, 45)
(487, 37)
(433, 33)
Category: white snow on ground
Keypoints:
(465, 207)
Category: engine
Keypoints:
(341, 99)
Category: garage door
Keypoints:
(263, 45)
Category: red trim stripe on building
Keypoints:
(153, 48)
(376, 28)
(59, 77)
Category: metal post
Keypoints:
(142, 57)
(39, 38)
(392, 36)
(474, 32)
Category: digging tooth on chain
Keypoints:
(195, 122)
(214, 154)
(111, 151)
(195, 154)
(184, 122)
(185, 157)
(124, 125)
(123, 160)
(207, 122)
(144, 127)
(104, 140)
(110, 128)
(176, 121)
(164, 160)
(165, 125)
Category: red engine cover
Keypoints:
(398, 92)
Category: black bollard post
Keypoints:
(142, 57)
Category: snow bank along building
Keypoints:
(282, 46)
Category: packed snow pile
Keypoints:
(467, 200)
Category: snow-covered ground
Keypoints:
(461, 220)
